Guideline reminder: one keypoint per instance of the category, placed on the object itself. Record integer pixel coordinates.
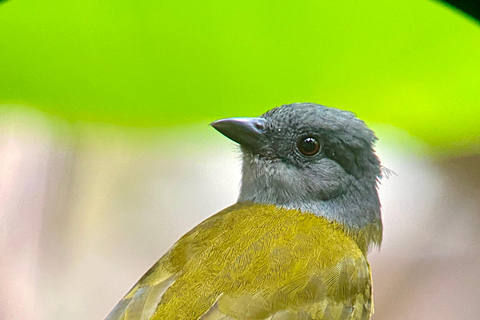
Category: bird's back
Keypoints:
(253, 261)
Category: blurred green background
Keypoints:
(413, 64)
(106, 158)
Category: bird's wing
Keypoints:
(255, 262)
(142, 300)
(314, 300)
(326, 297)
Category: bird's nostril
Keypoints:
(259, 126)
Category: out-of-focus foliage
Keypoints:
(413, 64)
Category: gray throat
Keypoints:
(354, 204)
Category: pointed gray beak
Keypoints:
(245, 131)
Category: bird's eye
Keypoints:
(309, 146)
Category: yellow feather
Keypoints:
(253, 261)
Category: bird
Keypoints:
(295, 244)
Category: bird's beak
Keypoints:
(245, 131)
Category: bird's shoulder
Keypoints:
(254, 261)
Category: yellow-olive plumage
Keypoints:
(254, 261)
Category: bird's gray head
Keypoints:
(312, 158)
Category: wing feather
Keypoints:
(142, 300)
(255, 262)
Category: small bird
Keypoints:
(294, 245)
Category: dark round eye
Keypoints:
(309, 146)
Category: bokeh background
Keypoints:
(106, 157)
